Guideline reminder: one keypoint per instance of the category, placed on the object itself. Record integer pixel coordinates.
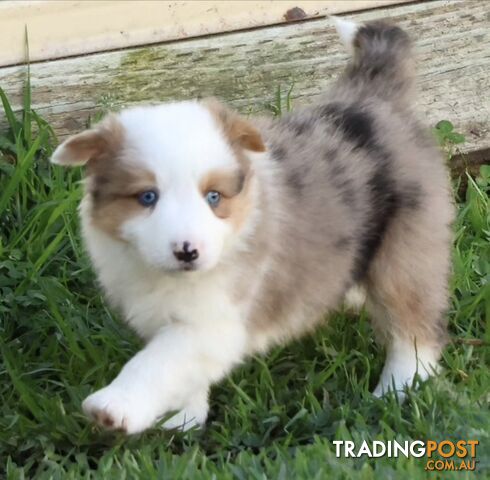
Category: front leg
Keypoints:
(173, 372)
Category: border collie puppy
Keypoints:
(218, 236)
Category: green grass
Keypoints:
(275, 417)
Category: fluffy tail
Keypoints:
(382, 62)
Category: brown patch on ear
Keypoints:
(235, 187)
(239, 131)
(88, 146)
(113, 182)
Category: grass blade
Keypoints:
(20, 171)
(13, 123)
(27, 118)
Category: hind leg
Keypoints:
(407, 299)
(405, 359)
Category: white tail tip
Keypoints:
(347, 31)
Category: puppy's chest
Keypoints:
(200, 303)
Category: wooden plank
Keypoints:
(63, 28)
(245, 69)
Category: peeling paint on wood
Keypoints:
(245, 69)
(294, 14)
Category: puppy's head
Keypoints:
(174, 181)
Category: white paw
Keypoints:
(384, 387)
(404, 361)
(194, 415)
(114, 409)
(398, 380)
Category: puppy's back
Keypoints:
(347, 171)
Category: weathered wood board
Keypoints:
(88, 26)
(245, 68)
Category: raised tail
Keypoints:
(382, 62)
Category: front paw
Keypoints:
(114, 409)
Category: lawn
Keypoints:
(275, 417)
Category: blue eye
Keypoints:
(148, 198)
(213, 198)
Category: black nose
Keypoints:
(187, 254)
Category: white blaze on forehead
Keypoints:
(177, 141)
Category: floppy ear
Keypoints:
(79, 149)
(237, 129)
(241, 131)
(83, 147)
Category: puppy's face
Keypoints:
(174, 181)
